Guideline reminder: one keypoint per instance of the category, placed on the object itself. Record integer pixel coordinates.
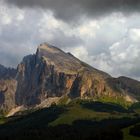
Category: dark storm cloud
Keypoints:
(71, 9)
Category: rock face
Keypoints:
(126, 85)
(8, 86)
(53, 73)
(7, 94)
(7, 73)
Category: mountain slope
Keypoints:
(53, 73)
(7, 73)
(126, 85)
(49, 73)
(7, 88)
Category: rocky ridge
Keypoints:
(52, 73)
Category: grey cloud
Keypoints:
(68, 10)
(20, 38)
(63, 40)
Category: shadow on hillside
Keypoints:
(104, 107)
(37, 119)
(37, 129)
(135, 131)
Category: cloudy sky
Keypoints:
(103, 33)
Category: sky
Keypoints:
(103, 33)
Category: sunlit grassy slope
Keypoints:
(89, 110)
(2, 120)
(77, 112)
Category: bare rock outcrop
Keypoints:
(52, 73)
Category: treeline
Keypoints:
(79, 130)
(36, 126)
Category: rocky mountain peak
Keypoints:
(62, 61)
(53, 73)
(47, 47)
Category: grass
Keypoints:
(64, 100)
(2, 120)
(117, 100)
(127, 136)
(136, 107)
(76, 111)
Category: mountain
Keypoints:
(8, 86)
(7, 73)
(52, 73)
(125, 84)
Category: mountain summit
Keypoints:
(52, 73)
(62, 61)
